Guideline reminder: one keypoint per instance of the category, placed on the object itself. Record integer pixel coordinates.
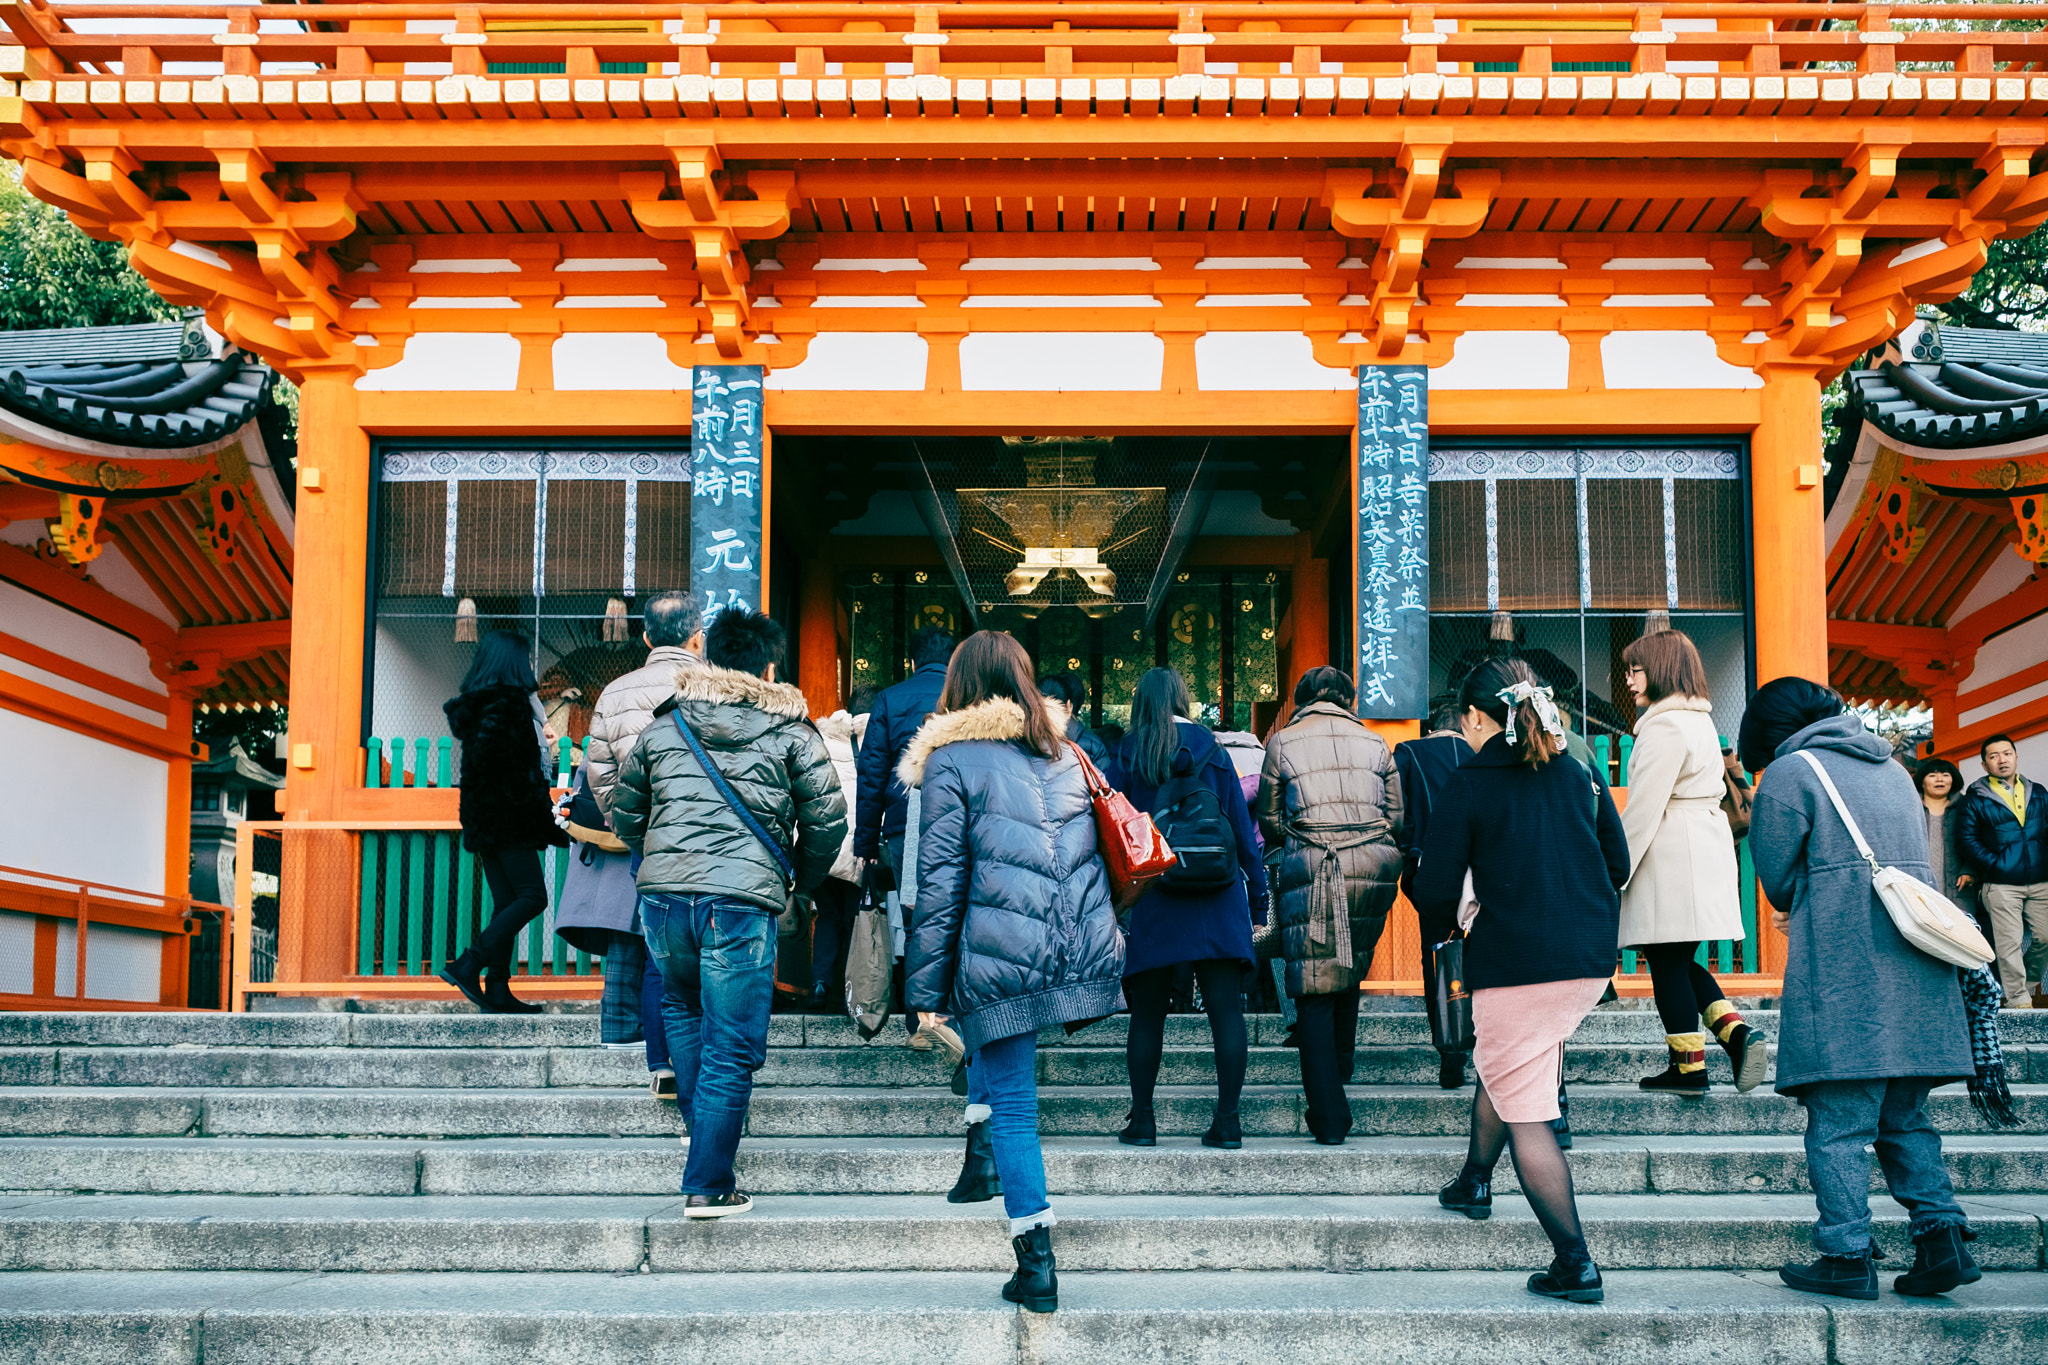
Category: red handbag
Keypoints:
(1134, 852)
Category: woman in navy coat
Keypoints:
(1210, 929)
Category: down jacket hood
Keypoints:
(997, 718)
(759, 736)
(1013, 929)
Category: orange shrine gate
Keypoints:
(1048, 317)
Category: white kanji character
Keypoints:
(1413, 562)
(711, 482)
(727, 552)
(743, 483)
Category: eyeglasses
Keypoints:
(1634, 671)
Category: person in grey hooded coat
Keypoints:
(1869, 1023)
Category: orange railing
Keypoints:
(1014, 38)
(52, 900)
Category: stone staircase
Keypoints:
(444, 1188)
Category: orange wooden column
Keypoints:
(1787, 510)
(335, 486)
(818, 638)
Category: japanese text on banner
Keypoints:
(1393, 541)
(726, 481)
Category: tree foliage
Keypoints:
(53, 275)
(2011, 291)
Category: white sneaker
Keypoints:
(624, 1047)
(662, 1084)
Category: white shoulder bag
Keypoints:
(1926, 919)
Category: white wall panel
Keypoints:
(1505, 360)
(1669, 360)
(63, 631)
(617, 360)
(864, 362)
(452, 361)
(1268, 361)
(109, 825)
(17, 953)
(1057, 362)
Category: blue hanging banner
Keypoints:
(1393, 542)
(726, 479)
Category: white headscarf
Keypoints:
(1538, 696)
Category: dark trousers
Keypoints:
(1327, 1033)
(1683, 988)
(1148, 992)
(651, 1024)
(520, 894)
(831, 930)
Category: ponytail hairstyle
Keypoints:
(990, 664)
(1153, 739)
(1534, 743)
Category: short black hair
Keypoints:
(1985, 747)
(1938, 765)
(1067, 688)
(743, 640)
(863, 699)
(672, 618)
(931, 645)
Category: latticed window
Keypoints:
(539, 541)
(1572, 548)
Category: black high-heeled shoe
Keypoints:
(1225, 1131)
(1576, 1280)
(1473, 1198)
(1139, 1130)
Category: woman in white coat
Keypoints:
(1682, 887)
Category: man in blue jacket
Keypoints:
(880, 801)
(2002, 838)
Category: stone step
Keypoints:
(1267, 1111)
(1407, 1028)
(814, 1233)
(894, 1067)
(1978, 1164)
(1201, 1317)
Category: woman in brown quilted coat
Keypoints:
(1330, 799)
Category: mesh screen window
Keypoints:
(539, 541)
(1576, 546)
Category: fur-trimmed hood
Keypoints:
(997, 718)
(729, 685)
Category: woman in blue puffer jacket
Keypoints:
(1013, 930)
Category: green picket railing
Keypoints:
(422, 897)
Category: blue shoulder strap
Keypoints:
(732, 799)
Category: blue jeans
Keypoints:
(1003, 1075)
(652, 989)
(717, 961)
(1843, 1118)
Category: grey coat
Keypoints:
(1329, 793)
(1860, 1002)
(599, 898)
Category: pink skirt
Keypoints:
(1519, 1043)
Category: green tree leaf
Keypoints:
(53, 275)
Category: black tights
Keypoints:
(1539, 1165)
(1222, 981)
(1683, 988)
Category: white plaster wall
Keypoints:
(1669, 360)
(413, 674)
(1505, 360)
(1265, 360)
(63, 631)
(616, 360)
(110, 829)
(17, 953)
(2004, 655)
(1053, 362)
(2006, 574)
(2033, 752)
(113, 572)
(120, 963)
(893, 362)
(451, 361)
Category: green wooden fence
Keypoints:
(423, 897)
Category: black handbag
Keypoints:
(1450, 1006)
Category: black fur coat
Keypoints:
(504, 792)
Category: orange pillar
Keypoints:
(1309, 647)
(315, 911)
(1786, 532)
(818, 638)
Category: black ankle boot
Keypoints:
(1749, 1053)
(1225, 1131)
(1562, 1124)
(978, 1182)
(498, 998)
(1845, 1277)
(1139, 1130)
(1468, 1195)
(1691, 1084)
(1035, 1286)
(1575, 1279)
(463, 974)
(1940, 1263)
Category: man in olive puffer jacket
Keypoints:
(710, 889)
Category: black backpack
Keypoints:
(1192, 819)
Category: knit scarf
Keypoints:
(1989, 1093)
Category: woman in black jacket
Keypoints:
(1013, 930)
(506, 809)
(1544, 847)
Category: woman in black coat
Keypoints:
(1544, 846)
(506, 808)
(1013, 930)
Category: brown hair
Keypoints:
(1482, 688)
(990, 664)
(1670, 663)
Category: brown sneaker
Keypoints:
(716, 1205)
